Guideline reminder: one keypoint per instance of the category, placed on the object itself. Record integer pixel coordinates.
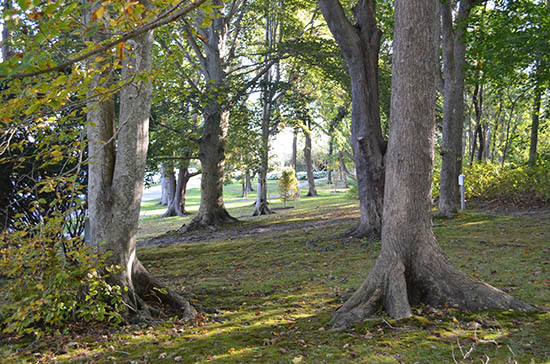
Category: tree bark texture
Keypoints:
(6, 33)
(212, 210)
(360, 44)
(116, 173)
(411, 267)
(454, 61)
(294, 150)
(309, 164)
(535, 127)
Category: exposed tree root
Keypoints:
(429, 278)
(362, 230)
(208, 220)
(261, 208)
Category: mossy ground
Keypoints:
(267, 296)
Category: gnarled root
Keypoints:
(208, 220)
(429, 279)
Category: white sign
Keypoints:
(461, 180)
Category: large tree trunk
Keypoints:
(454, 61)
(309, 165)
(212, 210)
(116, 174)
(360, 44)
(411, 267)
(535, 126)
(329, 167)
(248, 181)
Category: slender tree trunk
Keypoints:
(454, 60)
(248, 181)
(243, 186)
(330, 153)
(411, 268)
(535, 126)
(170, 186)
(477, 100)
(177, 205)
(309, 165)
(164, 186)
(261, 207)
(294, 150)
(6, 33)
(116, 174)
(360, 44)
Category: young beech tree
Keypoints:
(454, 62)
(411, 267)
(360, 44)
(118, 151)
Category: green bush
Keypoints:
(51, 281)
(509, 182)
(288, 185)
(353, 191)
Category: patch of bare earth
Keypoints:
(247, 228)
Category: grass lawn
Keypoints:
(267, 286)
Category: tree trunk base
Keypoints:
(429, 279)
(262, 209)
(363, 231)
(210, 220)
(144, 288)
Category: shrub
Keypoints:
(509, 182)
(353, 191)
(288, 185)
(53, 280)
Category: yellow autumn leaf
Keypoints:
(98, 14)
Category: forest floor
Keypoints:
(266, 288)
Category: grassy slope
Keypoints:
(268, 298)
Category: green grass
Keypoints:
(268, 298)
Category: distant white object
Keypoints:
(462, 191)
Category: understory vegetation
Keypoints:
(267, 286)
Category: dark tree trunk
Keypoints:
(243, 186)
(212, 210)
(294, 150)
(477, 148)
(454, 61)
(261, 207)
(329, 169)
(411, 268)
(309, 165)
(360, 44)
(535, 126)
(248, 181)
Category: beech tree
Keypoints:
(118, 150)
(411, 267)
(454, 63)
(360, 44)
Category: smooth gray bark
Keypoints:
(360, 44)
(6, 34)
(116, 173)
(454, 61)
(411, 267)
(294, 150)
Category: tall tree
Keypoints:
(360, 44)
(454, 62)
(411, 267)
(116, 170)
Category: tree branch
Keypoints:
(163, 20)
